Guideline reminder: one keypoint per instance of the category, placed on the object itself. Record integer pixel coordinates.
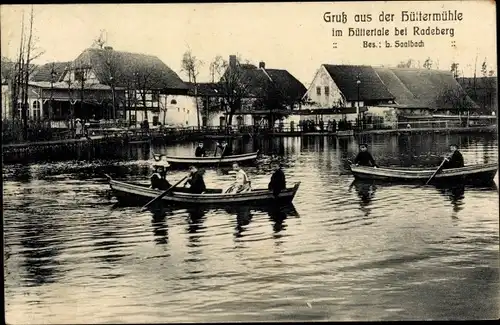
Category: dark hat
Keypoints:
(453, 145)
(363, 145)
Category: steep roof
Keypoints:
(204, 89)
(287, 83)
(430, 87)
(43, 72)
(371, 87)
(403, 96)
(121, 66)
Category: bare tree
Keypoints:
(458, 100)
(410, 63)
(100, 41)
(454, 70)
(428, 63)
(191, 65)
(232, 87)
(216, 67)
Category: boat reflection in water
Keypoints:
(277, 214)
(160, 225)
(366, 192)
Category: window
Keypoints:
(36, 110)
(318, 91)
(188, 111)
(156, 120)
(183, 109)
(79, 75)
(178, 109)
(327, 91)
(173, 102)
(132, 118)
(156, 96)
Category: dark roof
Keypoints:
(204, 89)
(257, 82)
(403, 96)
(287, 83)
(123, 65)
(430, 87)
(43, 72)
(371, 87)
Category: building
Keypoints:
(421, 93)
(261, 94)
(136, 82)
(343, 91)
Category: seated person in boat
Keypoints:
(242, 183)
(195, 180)
(278, 181)
(200, 151)
(158, 179)
(455, 160)
(364, 158)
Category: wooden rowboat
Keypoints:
(129, 192)
(468, 174)
(207, 161)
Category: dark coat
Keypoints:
(364, 158)
(200, 152)
(455, 161)
(197, 184)
(159, 183)
(277, 183)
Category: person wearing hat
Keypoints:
(78, 128)
(159, 177)
(224, 148)
(455, 160)
(200, 151)
(278, 181)
(364, 158)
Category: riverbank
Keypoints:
(109, 143)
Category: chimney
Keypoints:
(109, 48)
(232, 61)
(262, 65)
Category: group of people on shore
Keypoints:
(329, 126)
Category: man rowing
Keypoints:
(200, 151)
(242, 182)
(364, 158)
(224, 149)
(455, 160)
(278, 181)
(195, 180)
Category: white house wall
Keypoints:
(322, 79)
(178, 110)
(6, 102)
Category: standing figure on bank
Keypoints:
(455, 160)
(364, 158)
(242, 182)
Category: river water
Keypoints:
(342, 251)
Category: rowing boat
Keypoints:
(467, 174)
(131, 192)
(207, 161)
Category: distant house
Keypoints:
(52, 71)
(483, 91)
(344, 87)
(138, 80)
(263, 92)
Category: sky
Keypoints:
(292, 36)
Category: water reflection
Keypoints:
(278, 214)
(160, 226)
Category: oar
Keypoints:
(159, 197)
(437, 171)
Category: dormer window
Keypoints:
(173, 102)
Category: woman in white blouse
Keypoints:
(242, 182)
